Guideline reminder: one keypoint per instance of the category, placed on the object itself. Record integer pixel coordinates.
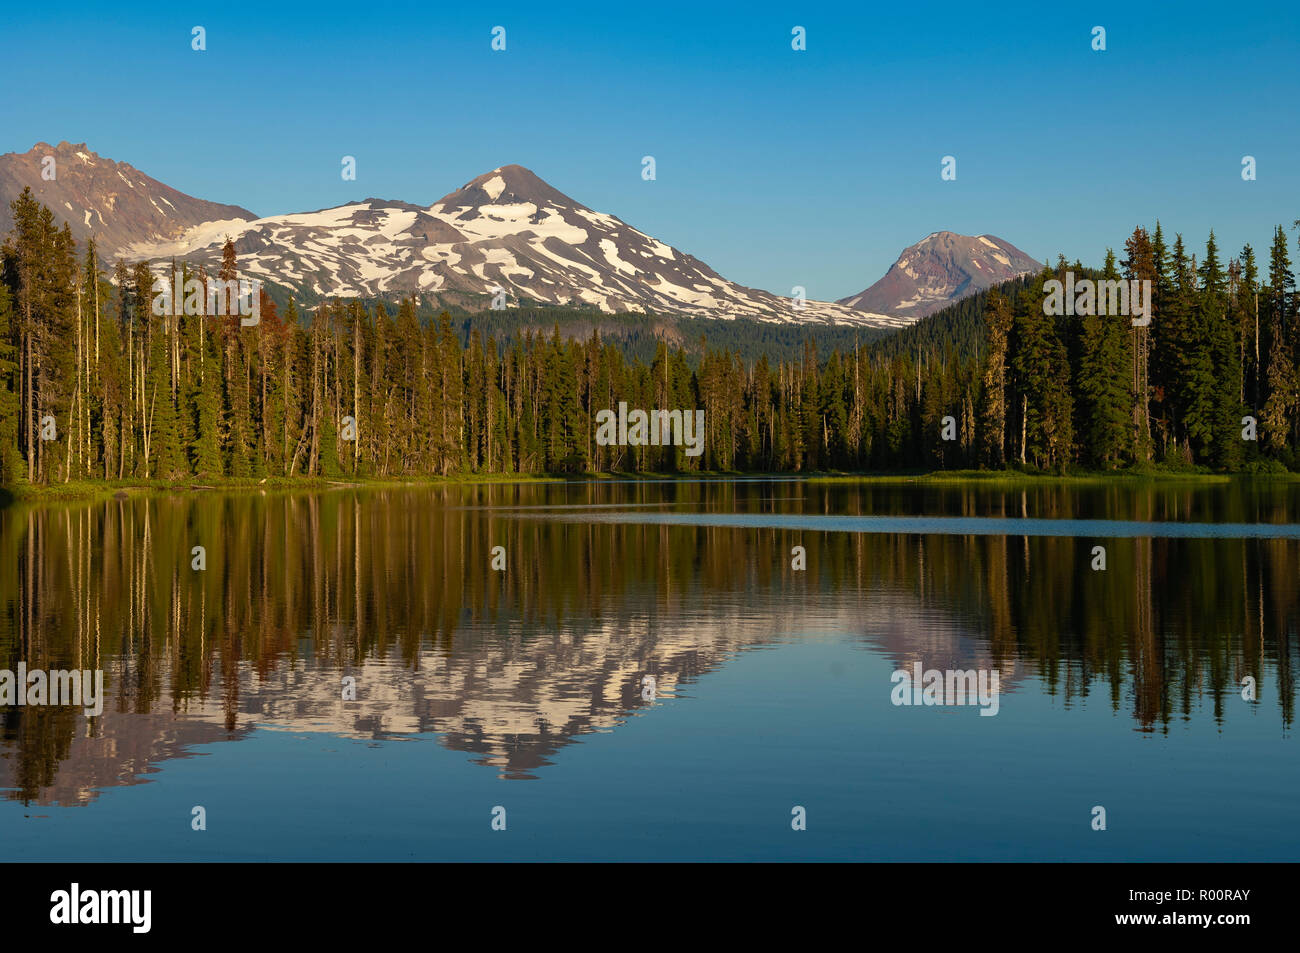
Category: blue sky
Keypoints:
(776, 167)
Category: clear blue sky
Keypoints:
(778, 168)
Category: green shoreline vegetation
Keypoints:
(83, 490)
(103, 389)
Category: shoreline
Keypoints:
(83, 490)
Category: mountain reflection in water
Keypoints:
(607, 582)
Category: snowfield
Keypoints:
(507, 228)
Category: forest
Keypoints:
(95, 386)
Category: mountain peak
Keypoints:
(95, 195)
(506, 185)
(507, 231)
(942, 268)
(63, 150)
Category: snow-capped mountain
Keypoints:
(115, 202)
(505, 229)
(940, 269)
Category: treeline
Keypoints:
(638, 335)
(1222, 346)
(94, 385)
(957, 330)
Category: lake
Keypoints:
(658, 670)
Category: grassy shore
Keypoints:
(100, 489)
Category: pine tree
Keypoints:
(1283, 389)
(1041, 373)
(1140, 265)
(1247, 308)
(205, 399)
(113, 390)
(162, 456)
(1103, 384)
(1219, 342)
(10, 389)
(1199, 385)
(998, 319)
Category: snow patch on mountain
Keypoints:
(506, 229)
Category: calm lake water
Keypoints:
(524, 688)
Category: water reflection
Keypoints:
(604, 583)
